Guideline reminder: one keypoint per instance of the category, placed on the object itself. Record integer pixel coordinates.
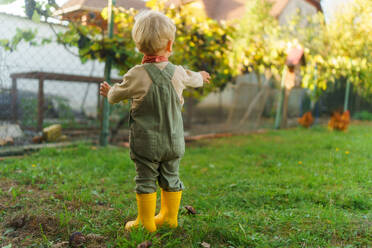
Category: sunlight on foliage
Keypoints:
(340, 48)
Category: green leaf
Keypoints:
(36, 17)
(3, 2)
(46, 41)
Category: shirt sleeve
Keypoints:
(191, 78)
(121, 91)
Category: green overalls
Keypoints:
(156, 134)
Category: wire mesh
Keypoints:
(71, 103)
(244, 105)
(76, 105)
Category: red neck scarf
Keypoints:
(153, 59)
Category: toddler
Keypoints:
(156, 127)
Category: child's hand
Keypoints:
(104, 89)
(205, 76)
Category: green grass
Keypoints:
(289, 188)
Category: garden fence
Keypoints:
(48, 84)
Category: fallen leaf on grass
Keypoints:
(205, 245)
(145, 244)
(190, 209)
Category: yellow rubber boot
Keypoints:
(159, 219)
(170, 204)
(146, 204)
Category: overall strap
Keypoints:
(169, 70)
(158, 75)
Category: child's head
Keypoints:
(153, 32)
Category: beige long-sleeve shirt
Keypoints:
(136, 83)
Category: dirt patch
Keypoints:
(32, 218)
(18, 226)
(22, 229)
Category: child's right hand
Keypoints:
(205, 76)
(104, 89)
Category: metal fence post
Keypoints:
(347, 96)
(40, 112)
(279, 110)
(106, 107)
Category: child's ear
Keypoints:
(169, 46)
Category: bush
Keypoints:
(363, 115)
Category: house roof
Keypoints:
(224, 9)
(316, 4)
(230, 9)
(216, 9)
(97, 5)
(279, 5)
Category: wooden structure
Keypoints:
(45, 76)
(88, 12)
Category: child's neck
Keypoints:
(163, 53)
(154, 58)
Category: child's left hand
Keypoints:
(205, 76)
(104, 89)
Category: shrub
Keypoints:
(363, 115)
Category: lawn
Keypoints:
(288, 188)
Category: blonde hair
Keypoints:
(151, 31)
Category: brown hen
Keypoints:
(306, 120)
(339, 121)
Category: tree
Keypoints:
(258, 49)
(340, 48)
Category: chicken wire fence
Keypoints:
(48, 84)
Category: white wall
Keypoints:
(47, 58)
